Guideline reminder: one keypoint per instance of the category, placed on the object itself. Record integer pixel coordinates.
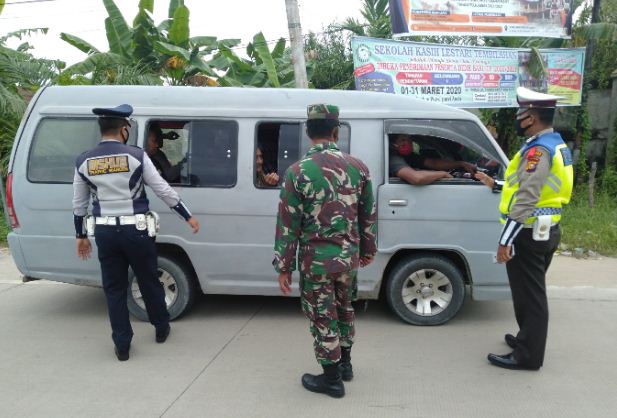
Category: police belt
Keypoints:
(120, 220)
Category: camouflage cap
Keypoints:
(322, 111)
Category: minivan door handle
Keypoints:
(397, 202)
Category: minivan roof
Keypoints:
(170, 101)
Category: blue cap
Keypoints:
(122, 111)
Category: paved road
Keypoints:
(243, 357)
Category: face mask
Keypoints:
(520, 131)
(405, 149)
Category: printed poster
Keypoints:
(536, 18)
(466, 77)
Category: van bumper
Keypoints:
(17, 253)
(501, 292)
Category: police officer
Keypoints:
(538, 182)
(327, 206)
(115, 174)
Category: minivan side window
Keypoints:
(199, 153)
(56, 144)
(279, 145)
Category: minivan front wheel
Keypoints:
(178, 286)
(425, 290)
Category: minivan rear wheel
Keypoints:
(177, 283)
(425, 290)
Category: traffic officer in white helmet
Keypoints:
(537, 184)
(115, 175)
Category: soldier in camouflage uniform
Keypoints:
(327, 206)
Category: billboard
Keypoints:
(467, 77)
(535, 18)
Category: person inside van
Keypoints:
(154, 143)
(263, 178)
(416, 169)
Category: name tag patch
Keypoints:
(108, 165)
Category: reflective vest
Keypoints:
(557, 189)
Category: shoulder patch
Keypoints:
(108, 165)
(566, 155)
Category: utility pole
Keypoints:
(297, 43)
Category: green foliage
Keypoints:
(4, 229)
(377, 16)
(331, 55)
(591, 228)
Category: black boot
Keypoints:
(329, 382)
(344, 366)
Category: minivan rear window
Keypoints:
(57, 143)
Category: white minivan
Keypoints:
(436, 242)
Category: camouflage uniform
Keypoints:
(327, 206)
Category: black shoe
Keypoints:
(122, 355)
(161, 336)
(323, 384)
(507, 361)
(346, 371)
(510, 340)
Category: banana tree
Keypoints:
(144, 53)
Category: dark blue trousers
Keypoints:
(120, 247)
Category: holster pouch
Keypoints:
(542, 228)
(153, 223)
(140, 222)
(89, 223)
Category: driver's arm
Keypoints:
(420, 177)
(440, 164)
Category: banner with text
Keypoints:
(537, 18)
(471, 77)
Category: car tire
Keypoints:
(425, 289)
(179, 289)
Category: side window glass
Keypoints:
(277, 147)
(56, 144)
(213, 153)
(167, 145)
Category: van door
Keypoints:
(458, 214)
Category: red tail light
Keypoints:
(9, 202)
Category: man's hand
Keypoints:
(271, 179)
(504, 254)
(468, 167)
(285, 282)
(485, 179)
(447, 175)
(366, 260)
(194, 223)
(84, 248)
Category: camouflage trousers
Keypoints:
(326, 302)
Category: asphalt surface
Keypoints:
(243, 357)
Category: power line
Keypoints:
(27, 1)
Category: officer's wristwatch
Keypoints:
(81, 236)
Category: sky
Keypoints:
(224, 19)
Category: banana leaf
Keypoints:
(117, 28)
(261, 47)
(179, 30)
(79, 43)
(173, 50)
(173, 5)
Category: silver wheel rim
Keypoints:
(427, 292)
(169, 286)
